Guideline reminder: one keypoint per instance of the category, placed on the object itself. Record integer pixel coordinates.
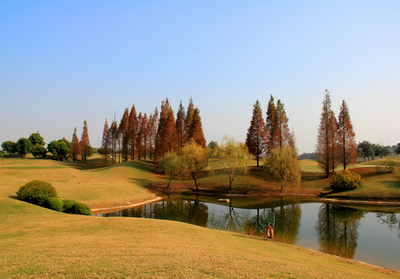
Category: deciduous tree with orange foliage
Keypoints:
(86, 149)
(257, 136)
(346, 137)
(105, 144)
(326, 137)
(196, 129)
(133, 131)
(75, 148)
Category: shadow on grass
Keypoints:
(145, 183)
(392, 184)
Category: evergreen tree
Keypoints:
(257, 137)
(133, 131)
(170, 136)
(139, 138)
(160, 144)
(346, 137)
(153, 122)
(112, 141)
(105, 144)
(86, 149)
(124, 128)
(189, 119)
(282, 128)
(271, 125)
(144, 130)
(75, 148)
(196, 129)
(180, 125)
(326, 137)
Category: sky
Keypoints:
(63, 62)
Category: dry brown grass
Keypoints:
(39, 243)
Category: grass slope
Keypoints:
(39, 243)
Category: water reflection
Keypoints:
(336, 229)
(188, 211)
(392, 220)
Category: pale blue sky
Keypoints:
(63, 62)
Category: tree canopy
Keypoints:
(283, 165)
(257, 137)
(233, 158)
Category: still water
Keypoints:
(369, 235)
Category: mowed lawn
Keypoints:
(39, 243)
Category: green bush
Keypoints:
(36, 192)
(54, 204)
(345, 180)
(387, 166)
(68, 204)
(82, 209)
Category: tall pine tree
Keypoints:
(189, 119)
(104, 144)
(86, 149)
(196, 129)
(124, 128)
(75, 148)
(346, 137)
(133, 131)
(180, 125)
(326, 137)
(257, 137)
(160, 144)
(271, 125)
(282, 128)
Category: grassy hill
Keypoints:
(39, 243)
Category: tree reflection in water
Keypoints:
(390, 219)
(287, 222)
(229, 221)
(336, 229)
(188, 211)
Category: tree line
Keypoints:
(273, 141)
(62, 148)
(139, 136)
(336, 143)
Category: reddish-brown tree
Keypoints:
(142, 137)
(153, 122)
(346, 137)
(189, 119)
(196, 129)
(170, 136)
(86, 149)
(160, 144)
(257, 137)
(124, 131)
(282, 128)
(180, 125)
(75, 148)
(112, 140)
(105, 144)
(271, 125)
(326, 137)
(133, 131)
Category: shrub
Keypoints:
(345, 180)
(82, 209)
(54, 204)
(68, 204)
(36, 192)
(387, 166)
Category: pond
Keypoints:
(365, 234)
